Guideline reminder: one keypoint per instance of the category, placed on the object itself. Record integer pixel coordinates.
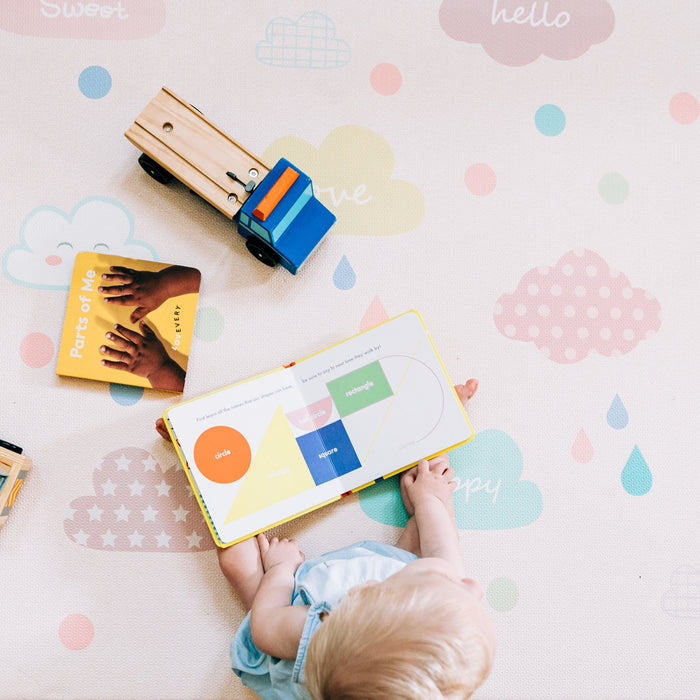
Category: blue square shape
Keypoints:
(328, 452)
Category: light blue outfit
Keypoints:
(321, 584)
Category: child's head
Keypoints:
(421, 633)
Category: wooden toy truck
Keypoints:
(13, 471)
(275, 208)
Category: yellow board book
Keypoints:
(129, 321)
(268, 449)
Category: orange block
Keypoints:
(275, 194)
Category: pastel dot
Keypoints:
(545, 351)
(605, 333)
(36, 350)
(502, 594)
(498, 309)
(543, 271)
(580, 291)
(95, 82)
(569, 311)
(591, 270)
(533, 290)
(570, 354)
(533, 331)
(520, 309)
(627, 293)
(613, 188)
(550, 120)
(556, 290)
(76, 632)
(592, 312)
(628, 335)
(604, 292)
(616, 313)
(638, 314)
(557, 332)
(544, 310)
(125, 395)
(582, 332)
(208, 324)
(385, 78)
(684, 108)
(510, 331)
(568, 270)
(480, 179)
(53, 260)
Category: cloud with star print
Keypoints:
(137, 506)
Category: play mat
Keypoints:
(524, 174)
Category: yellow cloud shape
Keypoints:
(352, 172)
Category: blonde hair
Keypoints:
(408, 643)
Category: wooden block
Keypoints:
(15, 468)
(275, 193)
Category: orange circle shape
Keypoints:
(222, 454)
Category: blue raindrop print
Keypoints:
(617, 414)
(636, 476)
(344, 275)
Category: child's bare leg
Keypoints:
(409, 540)
(242, 566)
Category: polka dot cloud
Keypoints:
(138, 507)
(578, 306)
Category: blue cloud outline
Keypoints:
(23, 246)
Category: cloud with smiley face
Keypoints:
(50, 240)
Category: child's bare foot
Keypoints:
(242, 566)
(467, 390)
(162, 430)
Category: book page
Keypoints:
(270, 448)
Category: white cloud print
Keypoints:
(50, 240)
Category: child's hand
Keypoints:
(426, 481)
(276, 552)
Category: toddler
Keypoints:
(370, 620)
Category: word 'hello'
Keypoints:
(521, 16)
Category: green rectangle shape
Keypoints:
(359, 389)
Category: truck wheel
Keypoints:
(156, 171)
(262, 251)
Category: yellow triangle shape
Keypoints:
(278, 471)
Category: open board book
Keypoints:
(266, 450)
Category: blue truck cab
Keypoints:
(290, 231)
